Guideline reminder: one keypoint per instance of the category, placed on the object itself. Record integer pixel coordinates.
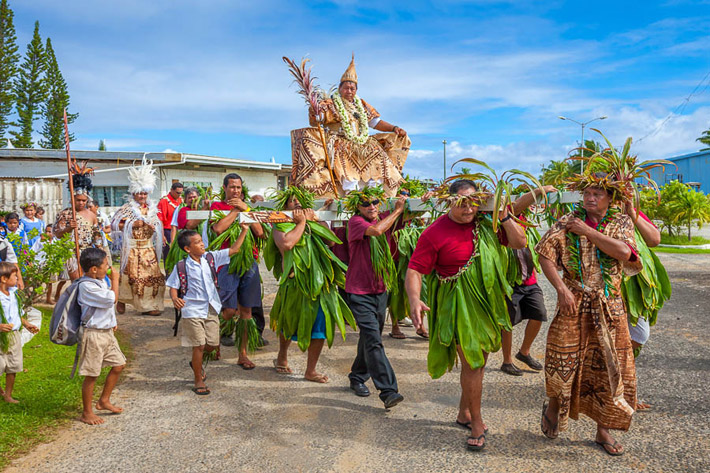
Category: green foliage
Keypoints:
(30, 90)
(57, 100)
(556, 173)
(667, 239)
(705, 139)
(680, 206)
(8, 66)
(102, 145)
(37, 272)
(686, 251)
(48, 397)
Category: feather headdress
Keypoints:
(80, 178)
(142, 178)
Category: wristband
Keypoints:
(394, 128)
(503, 220)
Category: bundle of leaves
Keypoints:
(357, 197)
(305, 198)
(415, 187)
(615, 171)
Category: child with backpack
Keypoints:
(193, 289)
(11, 321)
(99, 347)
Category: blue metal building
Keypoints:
(693, 169)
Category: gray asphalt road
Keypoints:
(261, 421)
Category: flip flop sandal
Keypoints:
(204, 373)
(614, 445)
(551, 428)
(425, 336)
(247, 367)
(280, 369)
(398, 336)
(467, 426)
(203, 391)
(476, 448)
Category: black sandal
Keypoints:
(476, 448)
(201, 391)
(467, 426)
(552, 428)
(614, 445)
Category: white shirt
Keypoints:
(10, 257)
(201, 291)
(95, 296)
(10, 308)
(173, 222)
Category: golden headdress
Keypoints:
(350, 74)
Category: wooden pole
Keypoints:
(327, 160)
(71, 190)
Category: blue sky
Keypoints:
(488, 76)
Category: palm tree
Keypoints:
(556, 172)
(689, 207)
(705, 139)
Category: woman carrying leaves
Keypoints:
(308, 306)
(371, 273)
(467, 296)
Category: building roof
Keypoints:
(698, 154)
(129, 157)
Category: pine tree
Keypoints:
(705, 139)
(102, 145)
(8, 66)
(29, 90)
(56, 101)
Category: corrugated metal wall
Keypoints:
(15, 191)
(694, 167)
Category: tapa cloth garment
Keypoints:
(142, 280)
(589, 362)
(380, 159)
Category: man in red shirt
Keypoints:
(238, 292)
(166, 208)
(463, 323)
(367, 298)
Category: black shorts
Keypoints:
(527, 303)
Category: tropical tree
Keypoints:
(29, 90)
(102, 145)
(8, 66)
(57, 100)
(705, 139)
(691, 207)
(556, 172)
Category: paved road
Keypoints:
(261, 421)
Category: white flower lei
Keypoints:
(363, 134)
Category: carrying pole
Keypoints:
(71, 189)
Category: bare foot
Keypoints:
(643, 406)
(107, 406)
(91, 419)
(317, 378)
(10, 399)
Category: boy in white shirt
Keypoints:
(10, 323)
(200, 305)
(99, 347)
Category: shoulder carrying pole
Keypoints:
(71, 189)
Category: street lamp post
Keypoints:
(581, 146)
(444, 158)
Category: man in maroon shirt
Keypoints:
(448, 246)
(527, 302)
(166, 207)
(237, 292)
(367, 298)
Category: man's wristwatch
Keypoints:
(508, 217)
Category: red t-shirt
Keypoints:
(341, 251)
(445, 246)
(166, 208)
(361, 278)
(182, 217)
(226, 208)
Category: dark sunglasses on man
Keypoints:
(369, 203)
(404, 192)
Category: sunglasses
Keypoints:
(369, 203)
(404, 193)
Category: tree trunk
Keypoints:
(689, 225)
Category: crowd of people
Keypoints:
(473, 277)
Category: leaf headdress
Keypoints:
(355, 198)
(305, 198)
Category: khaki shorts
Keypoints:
(198, 332)
(99, 348)
(11, 360)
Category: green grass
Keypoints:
(683, 240)
(687, 251)
(48, 398)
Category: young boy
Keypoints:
(201, 305)
(10, 322)
(14, 228)
(99, 347)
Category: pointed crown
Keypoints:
(350, 74)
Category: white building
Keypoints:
(111, 175)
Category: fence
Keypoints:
(47, 193)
